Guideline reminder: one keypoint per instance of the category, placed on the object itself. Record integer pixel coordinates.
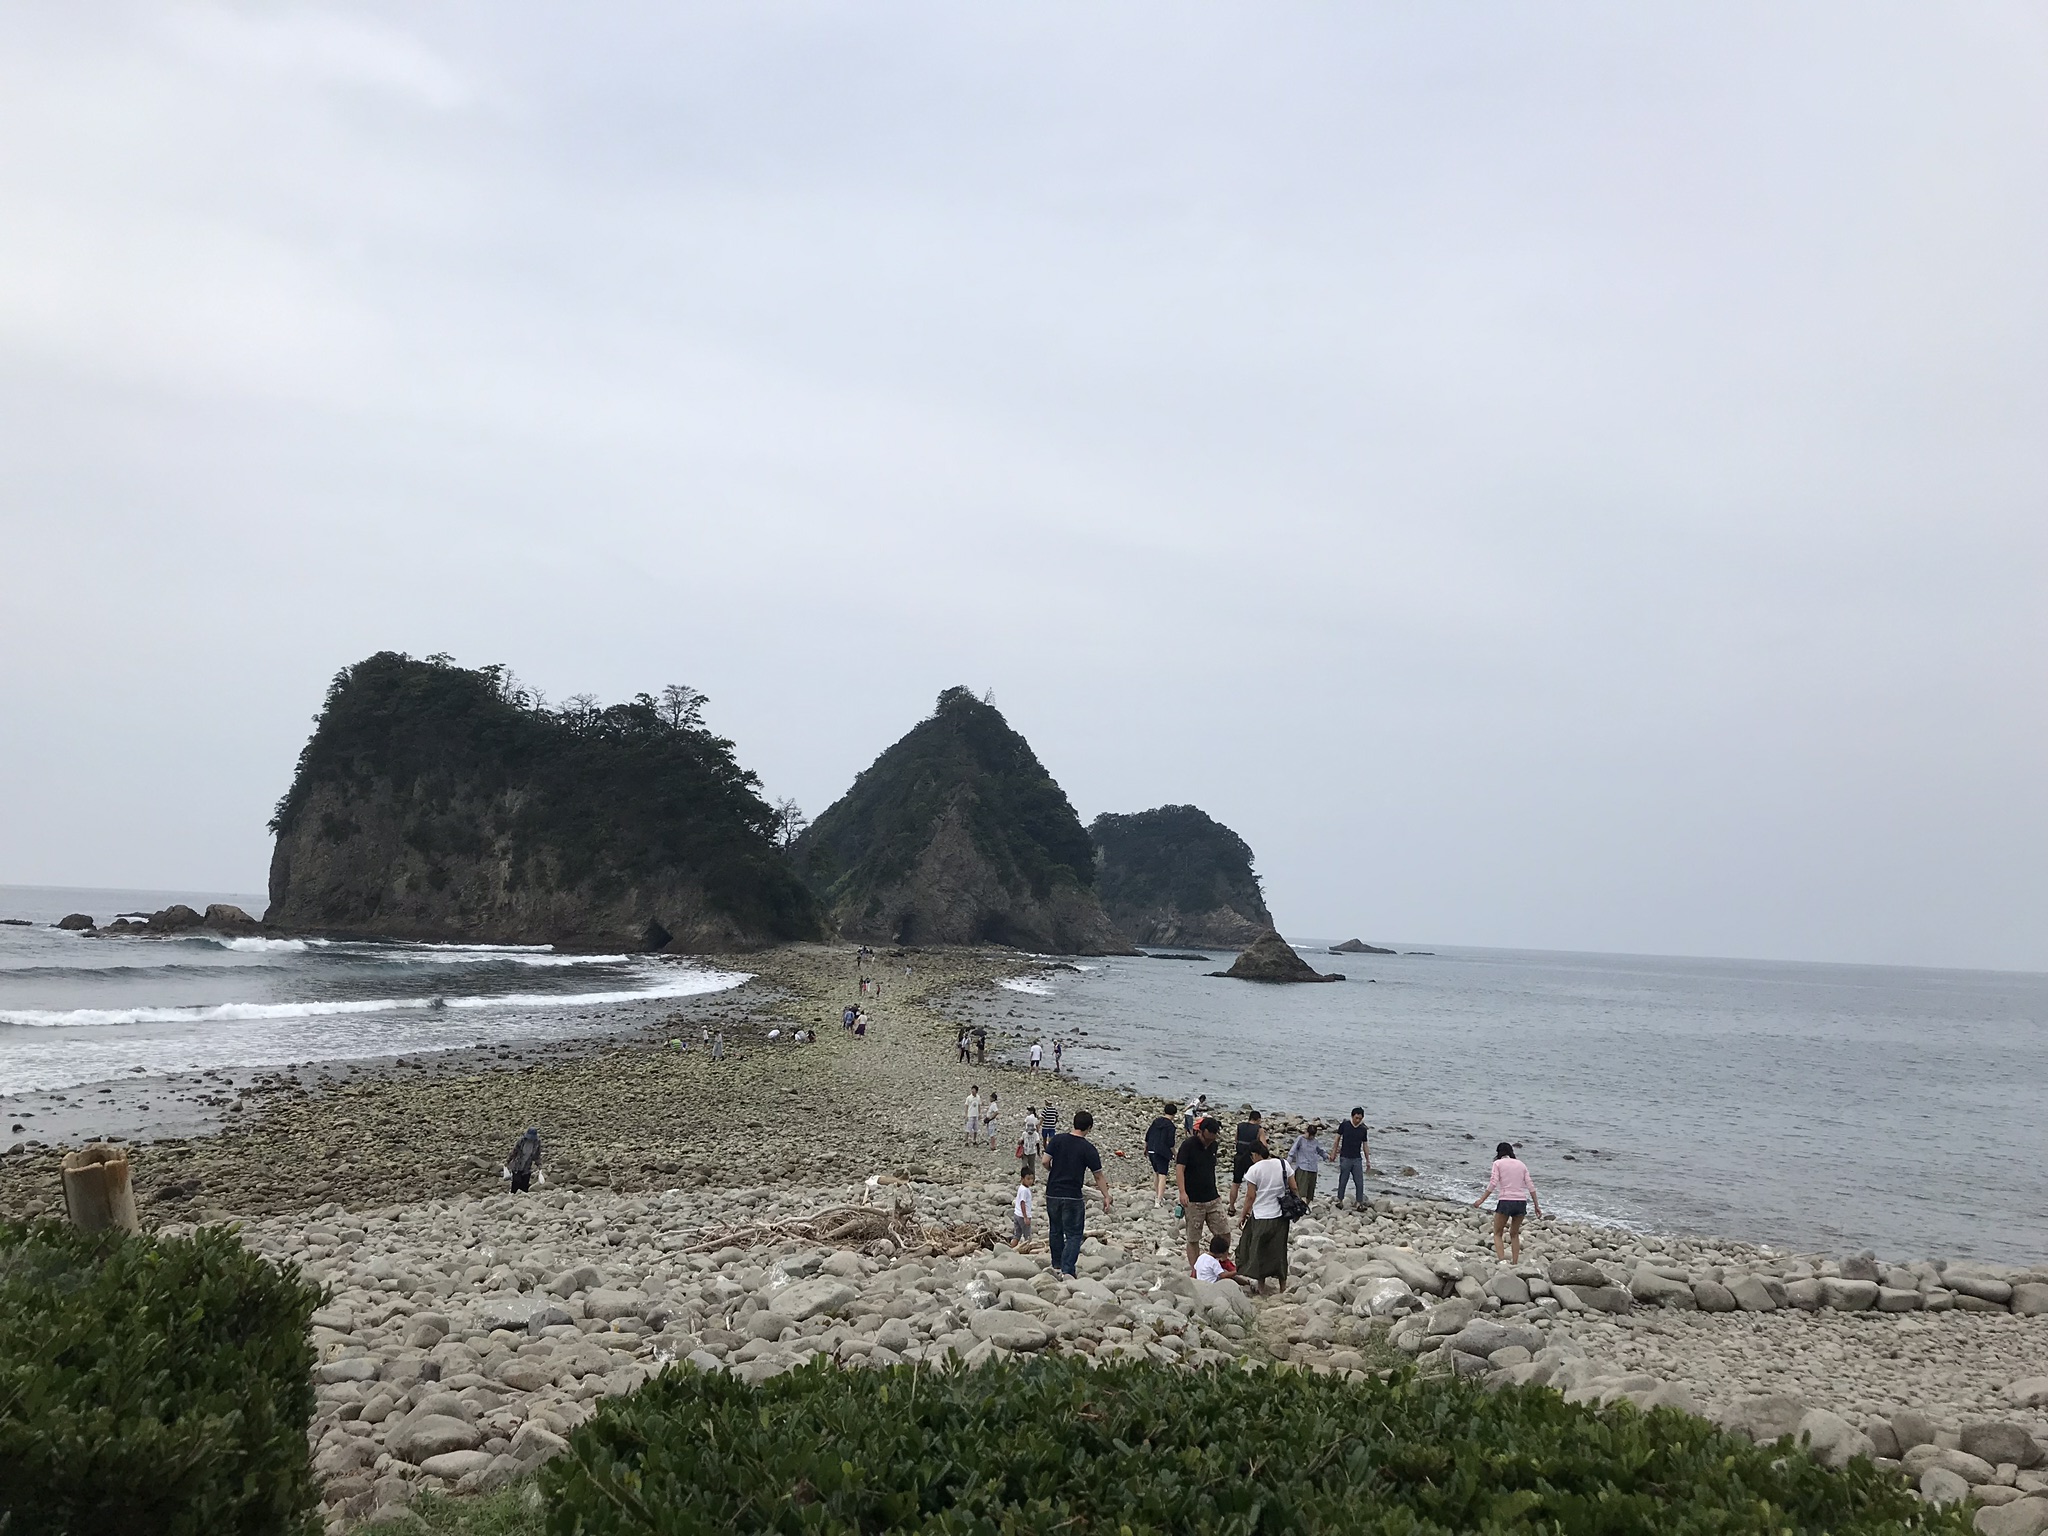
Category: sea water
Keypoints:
(77, 1010)
(1831, 1107)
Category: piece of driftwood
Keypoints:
(97, 1191)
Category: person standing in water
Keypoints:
(1515, 1194)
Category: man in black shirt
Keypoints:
(1159, 1152)
(1251, 1147)
(1195, 1172)
(1069, 1158)
(1354, 1156)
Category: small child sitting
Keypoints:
(1020, 1210)
(1215, 1264)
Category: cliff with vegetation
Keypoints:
(1177, 876)
(440, 802)
(958, 835)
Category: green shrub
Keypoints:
(1056, 1446)
(151, 1386)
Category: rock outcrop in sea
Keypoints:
(958, 835)
(1175, 875)
(1358, 947)
(438, 802)
(1272, 958)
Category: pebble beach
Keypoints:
(793, 1201)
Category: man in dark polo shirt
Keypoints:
(1354, 1156)
(1069, 1158)
(1195, 1174)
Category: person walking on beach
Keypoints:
(974, 1115)
(1515, 1194)
(1354, 1156)
(1069, 1158)
(524, 1162)
(718, 1047)
(860, 1025)
(1048, 1123)
(1192, 1117)
(1262, 1239)
(980, 1044)
(1195, 1174)
(962, 1043)
(1059, 1048)
(1030, 1142)
(1020, 1209)
(1307, 1156)
(1037, 1050)
(989, 1114)
(1249, 1148)
(1159, 1151)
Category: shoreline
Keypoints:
(505, 1319)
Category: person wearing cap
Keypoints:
(1194, 1175)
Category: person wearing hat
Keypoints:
(1195, 1177)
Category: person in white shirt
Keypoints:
(974, 1114)
(1031, 1143)
(1037, 1051)
(1262, 1241)
(989, 1115)
(1020, 1210)
(1210, 1265)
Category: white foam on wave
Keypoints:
(265, 946)
(684, 984)
(1024, 984)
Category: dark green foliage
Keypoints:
(1057, 1446)
(964, 754)
(152, 1386)
(607, 794)
(1175, 856)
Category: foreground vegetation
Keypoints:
(1057, 1445)
(152, 1386)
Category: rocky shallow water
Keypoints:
(718, 1215)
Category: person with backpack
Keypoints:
(1262, 1240)
(523, 1166)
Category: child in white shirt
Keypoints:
(1020, 1211)
(1215, 1264)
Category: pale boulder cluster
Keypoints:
(465, 1339)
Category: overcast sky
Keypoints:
(1572, 477)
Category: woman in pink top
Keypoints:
(1517, 1191)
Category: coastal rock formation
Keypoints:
(226, 917)
(438, 802)
(958, 835)
(1358, 947)
(1175, 875)
(1272, 958)
(76, 922)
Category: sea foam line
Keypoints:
(691, 984)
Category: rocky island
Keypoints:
(958, 835)
(1177, 876)
(439, 802)
(1272, 958)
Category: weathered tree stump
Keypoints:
(97, 1193)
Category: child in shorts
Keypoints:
(1020, 1210)
(1215, 1264)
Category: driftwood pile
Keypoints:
(864, 1229)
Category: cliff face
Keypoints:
(429, 805)
(1176, 876)
(958, 835)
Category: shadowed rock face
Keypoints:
(1272, 958)
(1358, 947)
(958, 835)
(1175, 875)
(429, 804)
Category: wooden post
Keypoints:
(97, 1194)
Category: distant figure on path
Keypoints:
(1069, 1158)
(1307, 1156)
(847, 1014)
(524, 1163)
(1059, 1047)
(1037, 1050)
(1020, 1209)
(1159, 1151)
(974, 1114)
(1262, 1240)
(1195, 1172)
(1354, 1156)
(860, 1025)
(718, 1047)
(989, 1115)
(1509, 1181)
(980, 1043)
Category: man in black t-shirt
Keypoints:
(1251, 1147)
(1354, 1156)
(1195, 1172)
(1069, 1158)
(1159, 1151)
